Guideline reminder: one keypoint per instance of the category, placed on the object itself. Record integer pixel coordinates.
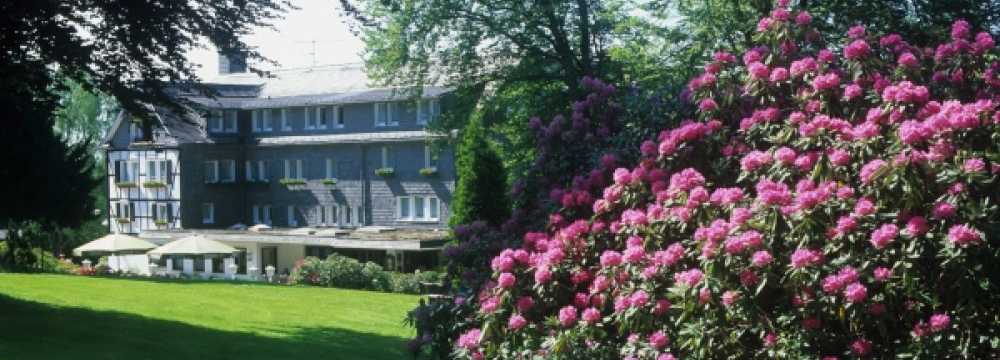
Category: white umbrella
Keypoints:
(114, 244)
(193, 245)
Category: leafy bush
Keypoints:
(411, 283)
(821, 206)
(481, 189)
(342, 272)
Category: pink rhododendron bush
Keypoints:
(829, 201)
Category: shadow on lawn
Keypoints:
(31, 330)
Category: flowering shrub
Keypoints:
(827, 202)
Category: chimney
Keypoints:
(232, 63)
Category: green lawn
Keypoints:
(67, 317)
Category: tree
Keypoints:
(127, 49)
(481, 191)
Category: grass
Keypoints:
(63, 317)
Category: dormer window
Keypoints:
(386, 114)
(427, 110)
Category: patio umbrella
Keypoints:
(194, 245)
(114, 244)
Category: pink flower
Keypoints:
(658, 340)
(975, 165)
(755, 160)
(963, 235)
(591, 315)
(916, 226)
(852, 91)
(939, 322)
(839, 157)
(907, 60)
(803, 18)
(726, 196)
(516, 322)
(543, 275)
(882, 274)
(634, 254)
(730, 297)
(761, 258)
(779, 74)
(567, 316)
(857, 49)
(884, 235)
(525, 303)
(638, 299)
(689, 278)
(856, 32)
(871, 169)
(855, 293)
(661, 307)
(506, 280)
(826, 82)
(707, 105)
(861, 347)
(758, 70)
(943, 210)
(489, 305)
(622, 176)
(806, 257)
(864, 207)
(961, 30)
(470, 339)
(611, 258)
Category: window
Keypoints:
(123, 209)
(217, 264)
(230, 121)
(161, 211)
(430, 157)
(261, 120)
(346, 210)
(285, 124)
(290, 215)
(338, 117)
(386, 158)
(135, 131)
(359, 213)
(158, 170)
(126, 171)
(199, 263)
(241, 261)
(228, 171)
(215, 121)
(293, 169)
(328, 215)
(386, 114)
(427, 110)
(310, 118)
(211, 171)
(262, 214)
(248, 170)
(331, 172)
(417, 208)
(207, 213)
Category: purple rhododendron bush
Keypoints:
(828, 201)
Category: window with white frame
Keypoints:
(126, 171)
(229, 121)
(386, 157)
(430, 157)
(261, 120)
(293, 169)
(207, 213)
(158, 170)
(386, 114)
(331, 168)
(266, 216)
(346, 211)
(124, 210)
(359, 215)
(211, 171)
(255, 170)
(228, 171)
(286, 125)
(135, 131)
(338, 117)
(417, 208)
(311, 118)
(328, 215)
(427, 110)
(161, 211)
(290, 216)
(261, 214)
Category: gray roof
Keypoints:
(400, 239)
(318, 85)
(382, 136)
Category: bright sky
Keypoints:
(291, 42)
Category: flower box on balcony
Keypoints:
(151, 184)
(429, 171)
(329, 183)
(123, 220)
(385, 172)
(294, 184)
(161, 222)
(125, 184)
